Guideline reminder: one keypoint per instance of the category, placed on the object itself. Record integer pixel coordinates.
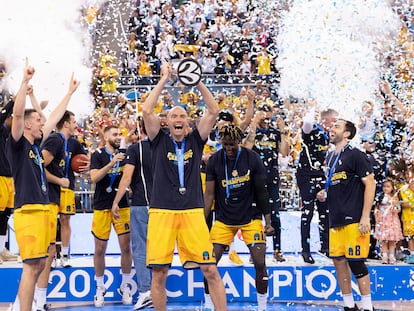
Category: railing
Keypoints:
(288, 190)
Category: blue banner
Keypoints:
(285, 283)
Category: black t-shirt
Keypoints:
(5, 169)
(103, 199)
(26, 171)
(266, 144)
(142, 178)
(239, 208)
(346, 192)
(166, 184)
(389, 136)
(54, 143)
(313, 152)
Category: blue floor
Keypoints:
(231, 306)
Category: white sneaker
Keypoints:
(99, 300)
(208, 303)
(144, 301)
(64, 261)
(125, 292)
(45, 307)
(5, 255)
(54, 263)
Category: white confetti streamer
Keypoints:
(328, 51)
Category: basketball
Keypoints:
(78, 161)
(189, 72)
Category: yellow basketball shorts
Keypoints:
(252, 233)
(103, 220)
(67, 202)
(6, 193)
(54, 211)
(32, 227)
(347, 241)
(188, 229)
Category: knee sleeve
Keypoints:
(358, 268)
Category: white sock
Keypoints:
(366, 302)
(16, 304)
(126, 279)
(261, 302)
(40, 297)
(65, 251)
(99, 281)
(2, 242)
(348, 300)
(208, 303)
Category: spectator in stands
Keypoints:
(177, 179)
(109, 76)
(144, 69)
(263, 62)
(122, 107)
(406, 195)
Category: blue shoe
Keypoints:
(410, 259)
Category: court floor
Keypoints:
(279, 306)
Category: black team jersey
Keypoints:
(54, 143)
(238, 207)
(141, 191)
(5, 169)
(346, 192)
(165, 190)
(266, 144)
(27, 172)
(313, 152)
(103, 199)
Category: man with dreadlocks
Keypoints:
(235, 181)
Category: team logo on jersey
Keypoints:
(206, 255)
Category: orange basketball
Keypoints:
(78, 161)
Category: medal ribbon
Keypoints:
(112, 176)
(180, 160)
(226, 173)
(42, 172)
(331, 169)
(67, 155)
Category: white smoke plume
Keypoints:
(328, 51)
(50, 35)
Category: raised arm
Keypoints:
(60, 109)
(152, 123)
(20, 103)
(209, 117)
(35, 103)
(250, 109)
